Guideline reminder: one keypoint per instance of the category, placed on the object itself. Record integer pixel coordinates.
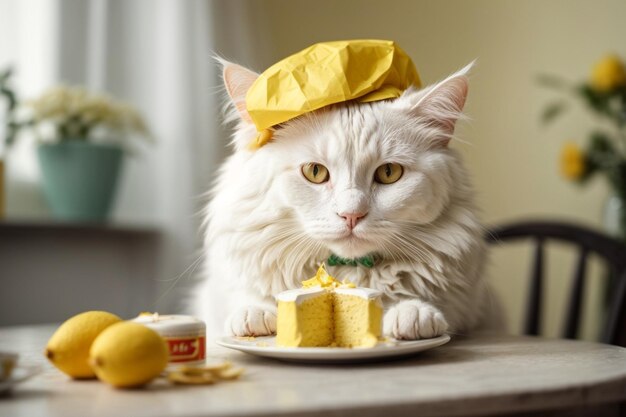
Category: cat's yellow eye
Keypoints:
(388, 173)
(315, 173)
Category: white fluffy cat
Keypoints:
(269, 227)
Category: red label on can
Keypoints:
(186, 349)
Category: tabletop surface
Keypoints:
(469, 376)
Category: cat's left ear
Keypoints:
(441, 105)
(237, 81)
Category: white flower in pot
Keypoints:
(82, 140)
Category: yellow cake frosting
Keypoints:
(326, 312)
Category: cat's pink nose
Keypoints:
(352, 218)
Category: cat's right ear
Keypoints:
(439, 106)
(238, 81)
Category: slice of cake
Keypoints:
(305, 318)
(326, 312)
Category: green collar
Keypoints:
(367, 261)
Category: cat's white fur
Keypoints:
(268, 228)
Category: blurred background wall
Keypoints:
(158, 54)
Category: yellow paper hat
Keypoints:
(324, 74)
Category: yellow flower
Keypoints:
(608, 74)
(572, 161)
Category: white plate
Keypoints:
(266, 346)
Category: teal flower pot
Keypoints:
(80, 178)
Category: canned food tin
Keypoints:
(185, 335)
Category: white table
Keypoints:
(482, 375)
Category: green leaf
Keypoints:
(5, 75)
(621, 111)
(10, 96)
(552, 111)
(601, 153)
(553, 81)
(595, 100)
(617, 178)
(600, 142)
(11, 132)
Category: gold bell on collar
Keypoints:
(327, 73)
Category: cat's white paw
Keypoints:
(251, 321)
(414, 319)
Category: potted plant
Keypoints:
(82, 138)
(11, 128)
(604, 93)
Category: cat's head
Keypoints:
(357, 177)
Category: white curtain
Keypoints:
(155, 54)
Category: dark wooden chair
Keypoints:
(588, 241)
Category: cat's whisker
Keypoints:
(390, 254)
(191, 266)
(403, 251)
(187, 272)
(398, 250)
(421, 234)
(407, 248)
(422, 255)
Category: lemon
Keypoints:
(68, 348)
(128, 354)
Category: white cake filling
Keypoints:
(301, 294)
(366, 293)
